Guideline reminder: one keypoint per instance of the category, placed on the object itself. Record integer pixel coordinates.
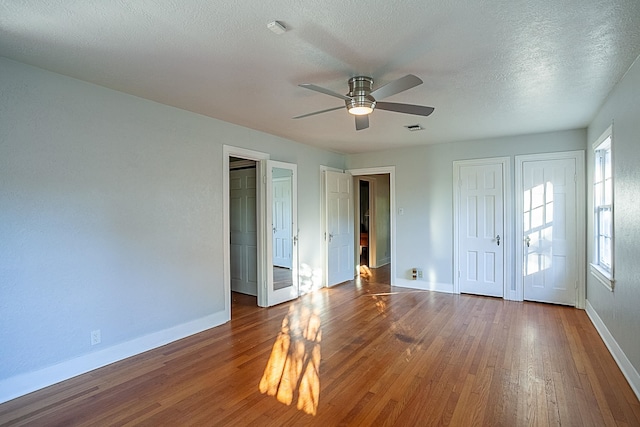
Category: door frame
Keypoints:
(260, 159)
(247, 172)
(509, 292)
(580, 219)
(371, 233)
(391, 171)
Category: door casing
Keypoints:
(264, 251)
(391, 171)
(371, 251)
(260, 159)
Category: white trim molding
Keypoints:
(424, 285)
(260, 159)
(629, 372)
(604, 274)
(381, 170)
(19, 385)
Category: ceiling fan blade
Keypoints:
(362, 122)
(325, 91)
(396, 86)
(418, 110)
(319, 112)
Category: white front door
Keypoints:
(282, 245)
(282, 282)
(480, 228)
(339, 227)
(550, 234)
(243, 231)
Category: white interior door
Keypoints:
(243, 231)
(480, 222)
(339, 227)
(282, 282)
(282, 233)
(549, 203)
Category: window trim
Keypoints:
(603, 275)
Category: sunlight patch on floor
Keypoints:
(293, 370)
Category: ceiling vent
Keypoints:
(414, 128)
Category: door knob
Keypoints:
(527, 240)
(330, 237)
(498, 239)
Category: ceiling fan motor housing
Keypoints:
(361, 101)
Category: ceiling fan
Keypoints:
(362, 99)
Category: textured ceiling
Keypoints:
(490, 68)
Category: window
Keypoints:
(602, 264)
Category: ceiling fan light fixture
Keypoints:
(361, 102)
(360, 110)
(361, 105)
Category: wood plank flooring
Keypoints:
(361, 353)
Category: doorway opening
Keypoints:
(374, 219)
(250, 178)
(243, 234)
(364, 215)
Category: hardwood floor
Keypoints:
(361, 353)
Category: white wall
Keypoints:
(617, 313)
(111, 219)
(424, 191)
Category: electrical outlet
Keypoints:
(419, 273)
(96, 337)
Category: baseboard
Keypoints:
(22, 384)
(423, 285)
(629, 372)
(382, 262)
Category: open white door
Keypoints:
(339, 227)
(243, 231)
(282, 235)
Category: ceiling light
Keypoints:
(360, 110)
(414, 128)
